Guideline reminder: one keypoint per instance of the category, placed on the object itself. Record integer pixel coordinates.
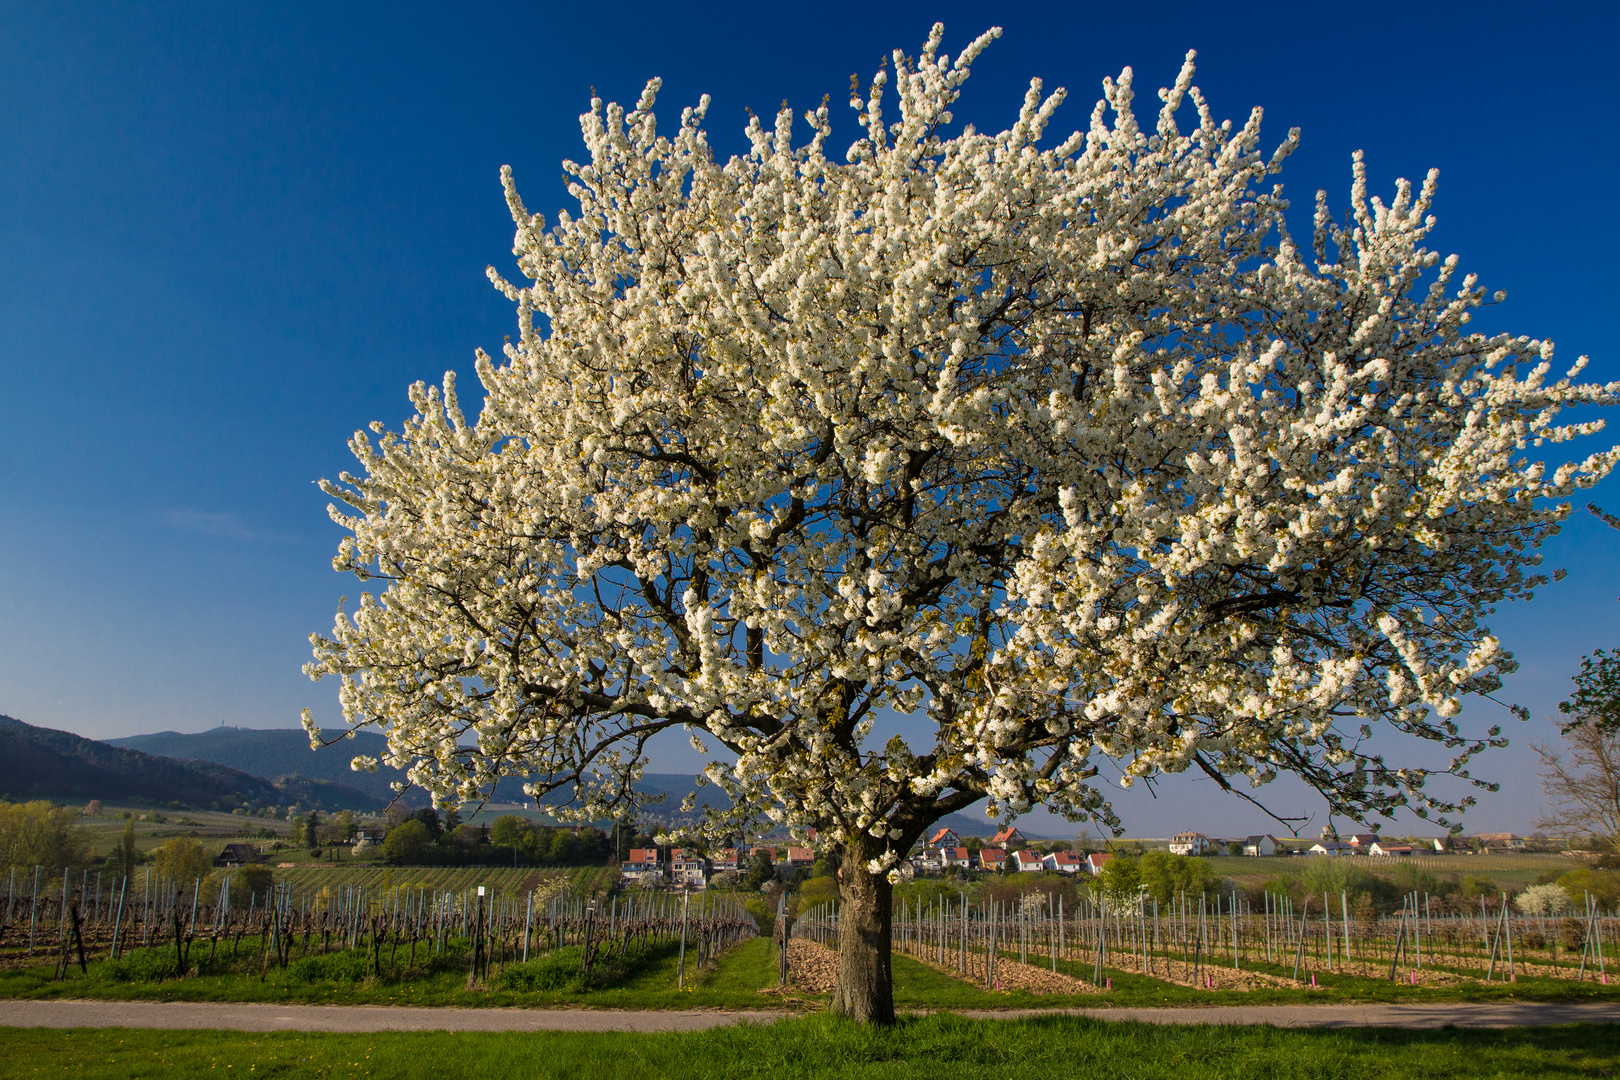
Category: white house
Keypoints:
(1388, 850)
(688, 868)
(1064, 862)
(1191, 843)
(1096, 862)
(1330, 847)
(1025, 859)
(1263, 845)
(944, 838)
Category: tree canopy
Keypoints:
(1065, 448)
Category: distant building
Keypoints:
(1064, 862)
(1500, 841)
(688, 868)
(1026, 860)
(944, 838)
(992, 858)
(955, 858)
(1008, 837)
(1095, 863)
(643, 866)
(1330, 847)
(725, 861)
(1390, 850)
(1191, 843)
(237, 855)
(1262, 845)
(1361, 841)
(800, 856)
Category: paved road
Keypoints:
(364, 1018)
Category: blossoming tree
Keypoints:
(1065, 449)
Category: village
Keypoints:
(946, 853)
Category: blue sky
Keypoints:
(233, 234)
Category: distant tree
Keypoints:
(1582, 783)
(1121, 876)
(311, 830)
(181, 859)
(512, 831)
(1166, 876)
(406, 843)
(255, 880)
(41, 834)
(761, 871)
(124, 855)
(429, 818)
(93, 808)
(452, 820)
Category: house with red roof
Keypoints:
(1064, 862)
(992, 858)
(1026, 860)
(1008, 837)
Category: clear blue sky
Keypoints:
(233, 234)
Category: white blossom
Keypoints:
(1067, 445)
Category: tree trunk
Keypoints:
(865, 989)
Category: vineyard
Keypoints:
(586, 881)
(519, 929)
(1231, 943)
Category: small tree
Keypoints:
(1582, 782)
(42, 834)
(253, 881)
(406, 843)
(93, 808)
(181, 859)
(1070, 450)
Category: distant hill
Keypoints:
(273, 753)
(45, 763)
(277, 753)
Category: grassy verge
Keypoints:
(822, 1046)
(648, 980)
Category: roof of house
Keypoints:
(992, 854)
(1026, 855)
(1191, 836)
(1363, 838)
(941, 835)
(959, 853)
(1098, 858)
(1006, 834)
(1067, 858)
(642, 854)
(1255, 839)
(801, 854)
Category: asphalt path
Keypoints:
(367, 1018)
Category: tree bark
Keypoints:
(865, 989)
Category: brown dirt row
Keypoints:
(1010, 974)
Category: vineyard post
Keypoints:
(1507, 922)
(680, 969)
(33, 912)
(118, 919)
(781, 937)
(528, 920)
(1344, 911)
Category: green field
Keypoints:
(501, 881)
(825, 1047)
(1511, 870)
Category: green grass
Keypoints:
(647, 980)
(641, 980)
(823, 1046)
